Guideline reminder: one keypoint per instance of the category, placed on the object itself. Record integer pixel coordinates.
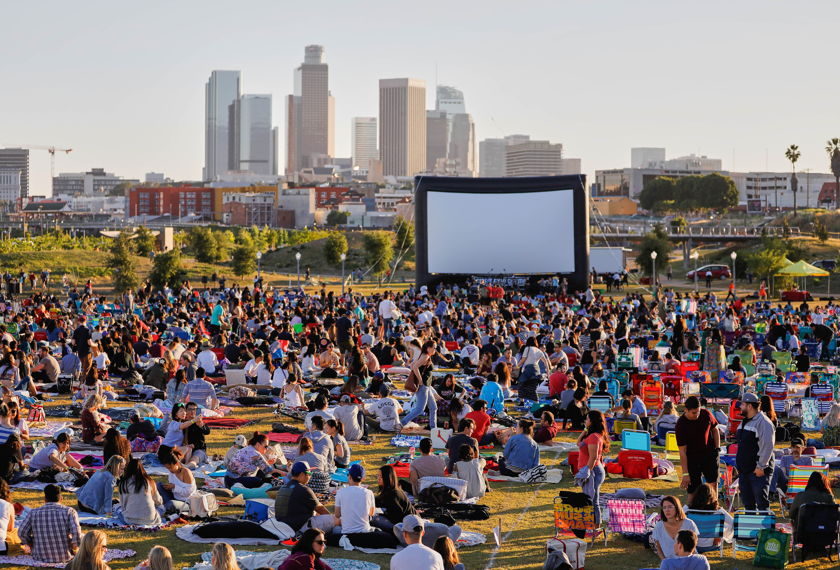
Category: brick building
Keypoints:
(176, 201)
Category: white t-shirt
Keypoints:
(386, 309)
(416, 557)
(208, 360)
(102, 361)
(6, 511)
(356, 504)
(386, 413)
(531, 355)
(278, 379)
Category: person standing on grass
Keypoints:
(698, 441)
(592, 443)
(754, 460)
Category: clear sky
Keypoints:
(123, 83)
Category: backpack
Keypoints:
(437, 494)
(203, 504)
(816, 528)
(36, 414)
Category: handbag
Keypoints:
(534, 474)
(412, 383)
(203, 504)
(772, 549)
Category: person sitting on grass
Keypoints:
(548, 428)
(521, 451)
(672, 521)
(97, 495)
(52, 531)
(685, 556)
(427, 465)
(307, 552)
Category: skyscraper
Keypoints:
(534, 158)
(17, 159)
(492, 155)
(364, 141)
(310, 114)
(402, 126)
(221, 91)
(253, 139)
(450, 147)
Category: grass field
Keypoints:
(525, 513)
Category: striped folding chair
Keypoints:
(624, 516)
(798, 476)
(747, 526)
(709, 525)
(600, 403)
(778, 392)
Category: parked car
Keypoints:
(718, 272)
(827, 264)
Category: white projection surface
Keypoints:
(521, 232)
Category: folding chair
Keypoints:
(614, 388)
(798, 476)
(784, 360)
(635, 439)
(761, 380)
(709, 525)
(824, 394)
(817, 520)
(701, 376)
(735, 417)
(620, 426)
(671, 443)
(637, 380)
(672, 387)
(747, 526)
(692, 357)
(600, 403)
(778, 392)
(797, 378)
(624, 516)
(728, 485)
(568, 519)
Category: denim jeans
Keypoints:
(755, 491)
(592, 488)
(423, 399)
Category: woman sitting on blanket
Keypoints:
(180, 486)
(97, 495)
(521, 451)
(159, 559)
(173, 442)
(249, 466)
(18, 423)
(12, 468)
(91, 553)
(115, 444)
(307, 553)
(56, 455)
(139, 498)
(223, 557)
(94, 424)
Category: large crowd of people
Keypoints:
(501, 369)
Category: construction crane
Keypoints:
(50, 149)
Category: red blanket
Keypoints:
(226, 423)
(284, 437)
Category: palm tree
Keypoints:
(833, 150)
(792, 154)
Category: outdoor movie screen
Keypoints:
(501, 233)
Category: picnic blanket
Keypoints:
(227, 423)
(249, 560)
(49, 429)
(187, 533)
(284, 437)
(559, 447)
(39, 486)
(111, 522)
(551, 476)
(406, 440)
(466, 539)
(26, 561)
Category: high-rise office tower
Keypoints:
(310, 114)
(453, 154)
(221, 91)
(17, 159)
(492, 155)
(402, 126)
(534, 158)
(253, 145)
(364, 141)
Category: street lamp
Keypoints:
(297, 258)
(733, 255)
(343, 258)
(653, 255)
(694, 256)
(259, 265)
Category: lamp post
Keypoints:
(694, 256)
(733, 255)
(343, 258)
(259, 265)
(297, 258)
(653, 255)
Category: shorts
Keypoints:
(706, 469)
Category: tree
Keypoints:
(122, 263)
(243, 259)
(336, 218)
(660, 189)
(766, 262)
(679, 225)
(656, 240)
(203, 245)
(687, 192)
(404, 231)
(166, 268)
(820, 231)
(336, 245)
(379, 250)
(833, 150)
(792, 154)
(144, 241)
(715, 192)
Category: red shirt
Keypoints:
(557, 383)
(482, 422)
(583, 456)
(546, 433)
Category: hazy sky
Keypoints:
(123, 83)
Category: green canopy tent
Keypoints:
(803, 269)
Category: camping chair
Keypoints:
(747, 526)
(761, 380)
(817, 521)
(671, 443)
(635, 440)
(797, 378)
(709, 525)
(614, 388)
(778, 392)
(624, 516)
(720, 391)
(619, 426)
(701, 376)
(601, 403)
(814, 350)
(731, 377)
(672, 387)
(824, 394)
(637, 379)
(692, 357)
(653, 395)
(784, 360)
(798, 476)
(568, 519)
(735, 417)
(728, 486)
(625, 361)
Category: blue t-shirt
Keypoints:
(693, 562)
(492, 393)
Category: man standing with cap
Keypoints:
(416, 555)
(296, 502)
(354, 504)
(756, 438)
(698, 441)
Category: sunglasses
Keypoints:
(319, 541)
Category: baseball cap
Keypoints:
(43, 344)
(299, 467)
(750, 398)
(356, 471)
(412, 523)
(346, 398)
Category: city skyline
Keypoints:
(624, 77)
